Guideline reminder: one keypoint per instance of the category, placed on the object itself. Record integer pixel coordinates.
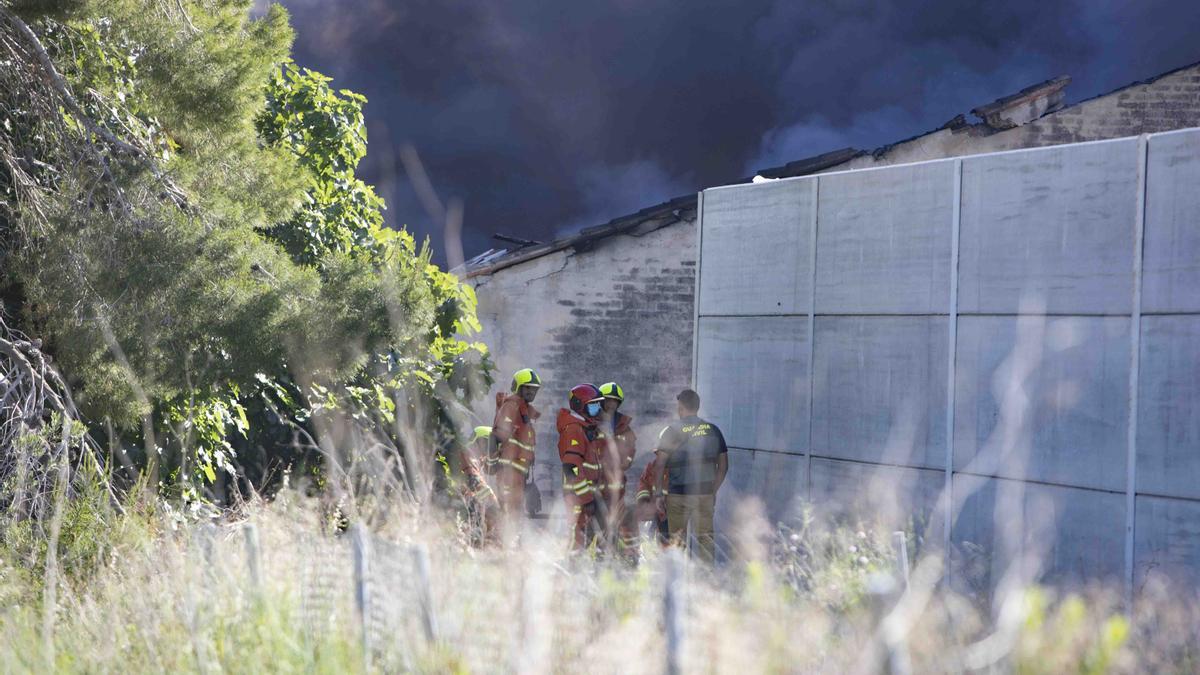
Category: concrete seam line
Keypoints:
(1135, 333)
(814, 219)
(952, 356)
(695, 380)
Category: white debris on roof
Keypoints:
(485, 258)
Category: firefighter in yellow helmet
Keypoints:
(619, 450)
(511, 456)
(462, 481)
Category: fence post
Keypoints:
(688, 540)
(674, 611)
(253, 564)
(420, 556)
(900, 544)
(203, 538)
(362, 591)
(890, 654)
(534, 636)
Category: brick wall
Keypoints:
(1169, 102)
(620, 311)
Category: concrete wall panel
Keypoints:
(1056, 224)
(888, 495)
(1052, 534)
(753, 231)
(753, 380)
(776, 479)
(1042, 353)
(981, 549)
(1089, 542)
(744, 481)
(1167, 543)
(883, 240)
(880, 389)
(1171, 263)
(1168, 443)
(1069, 412)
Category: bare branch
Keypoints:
(40, 431)
(59, 84)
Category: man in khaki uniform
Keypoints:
(692, 453)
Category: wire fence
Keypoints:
(528, 610)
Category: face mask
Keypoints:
(593, 409)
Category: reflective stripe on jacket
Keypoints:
(514, 432)
(645, 489)
(579, 447)
(620, 446)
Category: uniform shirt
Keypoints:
(691, 446)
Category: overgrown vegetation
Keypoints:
(188, 598)
(199, 299)
(201, 304)
(216, 309)
(183, 228)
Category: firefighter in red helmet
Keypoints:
(579, 449)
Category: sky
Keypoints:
(536, 118)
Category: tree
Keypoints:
(426, 378)
(202, 261)
(326, 133)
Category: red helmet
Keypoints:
(581, 395)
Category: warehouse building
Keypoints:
(638, 305)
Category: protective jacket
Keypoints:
(620, 447)
(470, 468)
(645, 496)
(460, 478)
(579, 446)
(512, 457)
(461, 472)
(645, 487)
(514, 433)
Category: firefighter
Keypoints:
(619, 449)
(463, 483)
(579, 449)
(646, 508)
(510, 456)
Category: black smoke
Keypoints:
(544, 117)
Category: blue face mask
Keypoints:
(593, 409)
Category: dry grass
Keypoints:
(176, 594)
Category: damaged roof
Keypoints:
(646, 220)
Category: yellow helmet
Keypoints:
(612, 390)
(481, 432)
(525, 377)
